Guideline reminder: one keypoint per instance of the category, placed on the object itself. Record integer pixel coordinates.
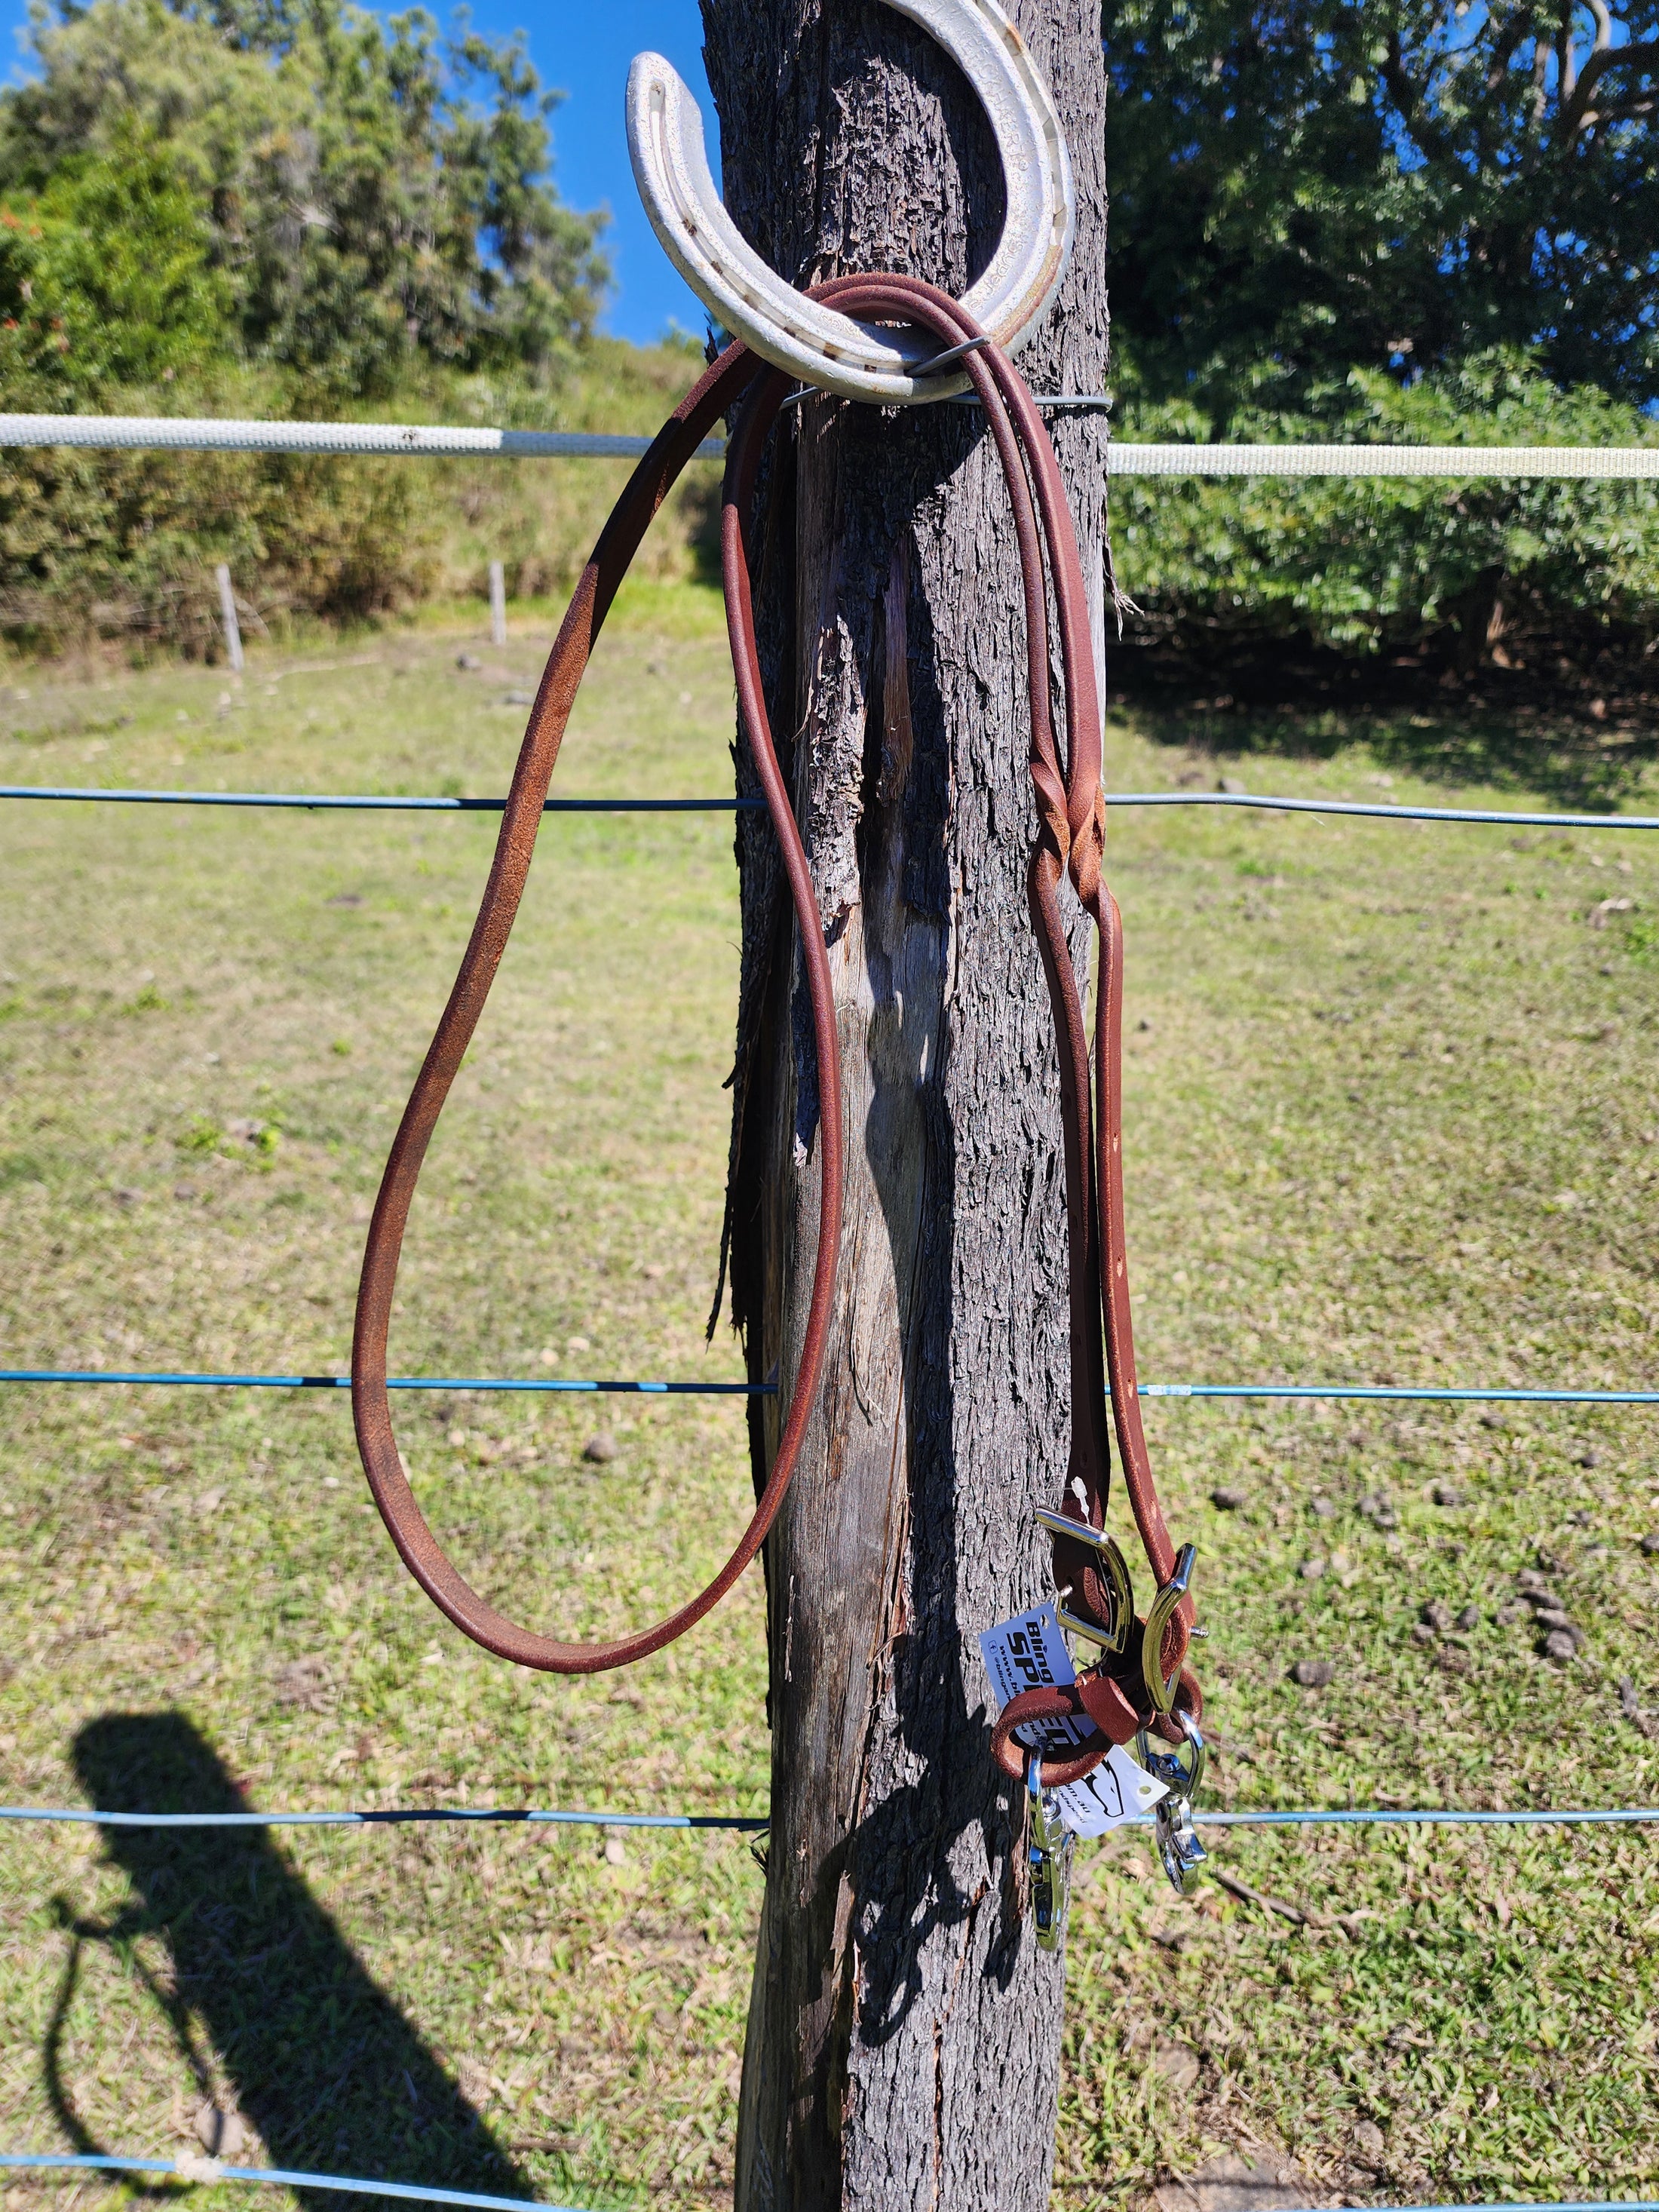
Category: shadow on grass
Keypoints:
(322, 2064)
(1584, 744)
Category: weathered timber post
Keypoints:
(904, 2030)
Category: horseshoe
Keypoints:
(816, 343)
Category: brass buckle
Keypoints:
(1114, 1572)
(1162, 1693)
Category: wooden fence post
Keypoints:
(227, 613)
(903, 2044)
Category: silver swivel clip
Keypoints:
(1181, 1773)
(1049, 1852)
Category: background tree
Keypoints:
(106, 278)
(903, 2035)
(1382, 183)
(1404, 220)
(373, 199)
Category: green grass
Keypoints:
(1391, 1113)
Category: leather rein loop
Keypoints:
(1113, 1697)
(715, 393)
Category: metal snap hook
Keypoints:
(1178, 1846)
(1048, 1853)
(866, 361)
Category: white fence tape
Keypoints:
(183, 434)
(1618, 461)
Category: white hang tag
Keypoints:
(1115, 1793)
(1029, 1653)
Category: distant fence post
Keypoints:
(228, 609)
(498, 604)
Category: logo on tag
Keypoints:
(1029, 1653)
(1116, 1792)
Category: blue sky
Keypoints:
(585, 50)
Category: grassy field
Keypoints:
(1392, 1114)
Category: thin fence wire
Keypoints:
(1384, 810)
(186, 433)
(405, 1816)
(279, 2177)
(1385, 1816)
(1361, 1392)
(1323, 1392)
(535, 1382)
(363, 802)
(209, 2170)
(377, 803)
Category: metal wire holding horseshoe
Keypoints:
(886, 339)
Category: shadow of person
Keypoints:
(323, 2065)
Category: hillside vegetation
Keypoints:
(1395, 221)
(291, 210)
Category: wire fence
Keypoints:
(457, 1382)
(279, 2177)
(1372, 1816)
(1123, 459)
(1339, 1393)
(393, 802)
(373, 803)
(210, 2170)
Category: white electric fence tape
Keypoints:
(188, 434)
(1627, 462)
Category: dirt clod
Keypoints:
(1369, 2148)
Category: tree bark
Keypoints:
(904, 2030)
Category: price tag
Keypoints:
(1029, 1653)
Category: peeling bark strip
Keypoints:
(904, 2031)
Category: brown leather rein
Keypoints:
(1140, 1680)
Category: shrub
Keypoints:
(123, 545)
(1364, 564)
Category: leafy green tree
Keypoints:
(1394, 184)
(373, 200)
(105, 279)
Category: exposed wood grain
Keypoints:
(903, 2035)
